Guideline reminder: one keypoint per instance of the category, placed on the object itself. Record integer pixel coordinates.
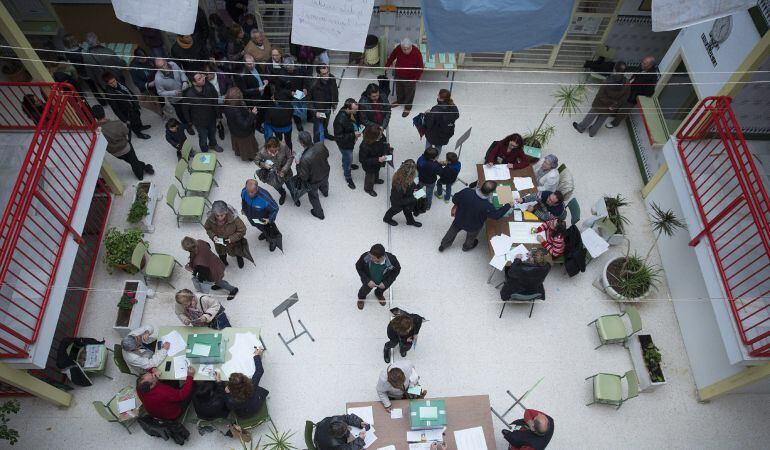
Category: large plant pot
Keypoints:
(635, 346)
(128, 320)
(607, 286)
(149, 188)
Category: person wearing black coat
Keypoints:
(440, 121)
(526, 278)
(473, 208)
(374, 108)
(378, 270)
(313, 169)
(372, 155)
(245, 397)
(332, 433)
(402, 194)
(201, 109)
(241, 121)
(346, 132)
(278, 117)
(402, 331)
(190, 52)
(124, 104)
(323, 99)
(209, 400)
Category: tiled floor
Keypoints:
(465, 348)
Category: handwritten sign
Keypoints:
(175, 16)
(331, 24)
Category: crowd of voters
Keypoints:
(230, 78)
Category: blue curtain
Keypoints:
(494, 25)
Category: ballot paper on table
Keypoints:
(420, 446)
(517, 215)
(369, 437)
(207, 370)
(126, 405)
(498, 262)
(180, 367)
(241, 355)
(425, 435)
(501, 244)
(419, 193)
(176, 342)
(521, 232)
(497, 172)
(396, 413)
(520, 252)
(523, 183)
(595, 244)
(470, 439)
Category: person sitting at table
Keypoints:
(526, 277)
(332, 433)
(402, 331)
(550, 205)
(206, 266)
(508, 151)
(534, 431)
(139, 349)
(472, 209)
(203, 311)
(161, 400)
(395, 380)
(555, 231)
(209, 400)
(244, 396)
(547, 174)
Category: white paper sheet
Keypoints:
(419, 193)
(497, 172)
(241, 355)
(180, 367)
(523, 183)
(396, 413)
(520, 252)
(419, 446)
(430, 435)
(389, 447)
(517, 215)
(176, 341)
(594, 243)
(369, 437)
(126, 405)
(470, 439)
(501, 244)
(331, 24)
(521, 232)
(201, 349)
(498, 262)
(524, 206)
(176, 16)
(365, 413)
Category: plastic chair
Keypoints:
(612, 330)
(523, 298)
(154, 265)
(309, 425)
(120, 362)
(262, 416)
(608, 388)
(574, 211)
(106, 413)
(197, 182)
(189, 207)
(201, 162)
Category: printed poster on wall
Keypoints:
(331, 24)
(175, 16)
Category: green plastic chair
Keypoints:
(612, 330)
(197, 182)
(189, 207)
(154, 265)
(106, 413)
(201, 162)
(574, 211)
(262, 416)
(608, 388)
(561, 167)
(309, 425)
(521, 298)
(120, 362)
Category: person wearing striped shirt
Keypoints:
(553, 242)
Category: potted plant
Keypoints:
(7, 409)
(612, 226)
(131, 306)
(646, 359)
(630, 277)
(568, 100)
(275, 441)
(119, 247)
(143, 208)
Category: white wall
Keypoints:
(707, 78)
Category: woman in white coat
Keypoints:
(547, 174)
(395, 380)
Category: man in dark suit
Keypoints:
(526, 278)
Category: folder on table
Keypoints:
(504, 194)
(427, 414)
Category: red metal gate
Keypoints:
(734, 210)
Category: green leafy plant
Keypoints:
(127, 300)
(120, 246)
(613, 211)
(567, 100)
(275, 441)
(139, 208)
(539, 137)
(652, 359)
(7, 409)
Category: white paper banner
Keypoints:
(674, 14)
(175, 16)
(331, 24)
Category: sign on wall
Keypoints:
(175, 16)
(331, 24)
(674, 14)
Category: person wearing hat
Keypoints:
(138, 350)
(547, 173)
(119, 142)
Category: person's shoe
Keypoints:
(142, 135)
(351, 185)
(437, 194)
(576, 127)
(190, 130)
(402, 351)
(406, 113)
(441, 248)
(149, 170)
(215, 287)
(233, 293)
(224, 259)
(282, 198)
(386, 356)
(381, 298)
(415, 224)
(240, 262)
(475, 243)
(325, 194)
(360, 304)
(390, 222)
(590, 134)
(262, 237)
(379, 181)
(271, 247)
(609, 125)
(146, 127)
(219, 149)
(318, 215)
(354, 167)
(372, 193)
(446, 200)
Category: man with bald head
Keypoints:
(534, 431)
(170, 82)
(408, 69)
(258, 206)
(641, 83)
(259, 47)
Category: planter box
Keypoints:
(127, 320)
(635, 346)
(149, 188)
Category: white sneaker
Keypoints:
(609, 125)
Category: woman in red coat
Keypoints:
(509, 151)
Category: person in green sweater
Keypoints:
(378, 269)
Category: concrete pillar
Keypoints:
(741, 379)
(20, 379)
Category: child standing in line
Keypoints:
(448, 176)
(428, 170)
(176, 137)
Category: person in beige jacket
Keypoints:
(259, 47)
(139, 352)
(395, 380)
(199, 311)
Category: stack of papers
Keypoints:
(497, 172)
(470, 439)
(180, 367)
(523, 183)
(241, 355)
(176, 341)
(521, 232)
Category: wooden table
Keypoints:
(468, 411)
(228, 337)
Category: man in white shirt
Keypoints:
(138, 350)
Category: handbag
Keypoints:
(220, 320)
(221, 130)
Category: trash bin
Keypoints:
(372, 50)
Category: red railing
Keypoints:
(734, 211)
(55, 133)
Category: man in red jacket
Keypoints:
(160, 400)
(534, 431)
(408, 68)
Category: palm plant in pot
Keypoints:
(567, 100)
(631, 277)
(119, 246)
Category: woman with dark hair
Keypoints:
(440, 121)
(372, 156)
(555, 232)
(244, 396)
(346, 132)
(402, 194)
(402, 331)
(242, 122)
(278, 117)
(209, 400)
(509, 151)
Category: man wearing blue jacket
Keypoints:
(258, 206)
(473, 209)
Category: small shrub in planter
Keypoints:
(139, 208)
(120, 246)
(652, 359)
